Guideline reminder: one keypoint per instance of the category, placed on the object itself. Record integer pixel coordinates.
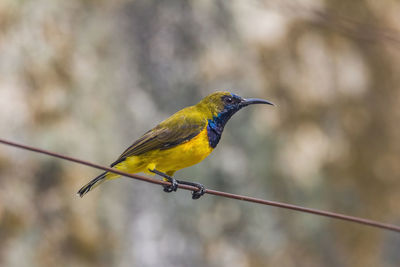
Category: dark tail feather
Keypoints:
(92, 184)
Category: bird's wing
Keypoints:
(177, 129)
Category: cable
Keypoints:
(339, 216)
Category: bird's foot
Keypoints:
(174, 185)
(167, 188)
(195, 194)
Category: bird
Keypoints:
(182, 140)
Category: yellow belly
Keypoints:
(169, 160)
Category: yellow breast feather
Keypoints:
(169, 160)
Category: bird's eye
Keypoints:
(228, 100)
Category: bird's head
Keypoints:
(225, 104)
(219, 108)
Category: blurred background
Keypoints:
(86, 78)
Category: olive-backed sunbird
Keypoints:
(182, 140)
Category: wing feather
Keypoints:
(177, 129)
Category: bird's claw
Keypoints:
(172, 187)
(167, 188)
(197, 194)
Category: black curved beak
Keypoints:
(251, 101)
